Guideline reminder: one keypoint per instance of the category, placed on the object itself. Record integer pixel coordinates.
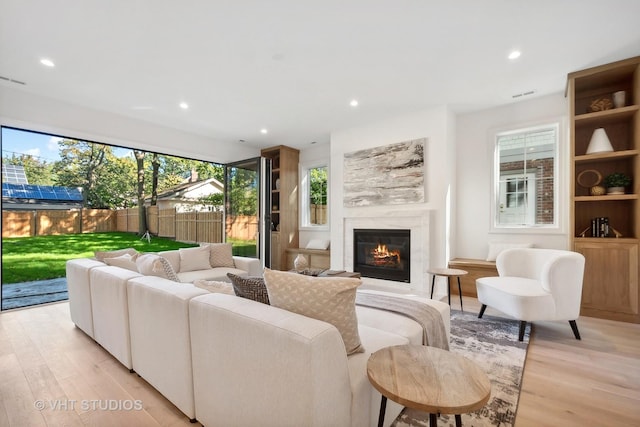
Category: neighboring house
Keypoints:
(18, 194)
(187, 197)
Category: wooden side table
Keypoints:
(428, 379)
(448, 273)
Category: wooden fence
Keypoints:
(318, 214)
(50, 222)
(183, 227)
(242, 227)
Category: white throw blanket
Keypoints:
(434, 333)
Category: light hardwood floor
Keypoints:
(45, 358)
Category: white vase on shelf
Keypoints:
(599, 142)
(300, 263)
(618, 99)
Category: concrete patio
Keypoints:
(17, 295)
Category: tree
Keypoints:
(242, 192)
(142, 217)
(155, 167)
(116, 185)
(216, 200)
(318, 185)
(80, 165)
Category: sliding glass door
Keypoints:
(247, 201)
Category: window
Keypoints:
(525, 187)
(314, 196)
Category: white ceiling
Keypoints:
(292, 66)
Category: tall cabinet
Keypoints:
(606, 227)
(284, 202)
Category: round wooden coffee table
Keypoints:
(448, 273)
(428, 379)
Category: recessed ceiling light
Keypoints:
(263, 130)
(184, 105)
(354, 103)
(515, 54)
(47, 62)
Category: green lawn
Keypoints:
(26, 259)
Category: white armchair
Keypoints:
(535, 284)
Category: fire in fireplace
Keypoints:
(382, 253)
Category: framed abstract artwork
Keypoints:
(388, 175)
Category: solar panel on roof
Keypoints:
(40, 192)
(14, 174)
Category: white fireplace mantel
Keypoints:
(417, 221)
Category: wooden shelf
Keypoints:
(606, 198)
(606, 116)
(605, 240)
(284, 162)
(604, 157)
(611, 278)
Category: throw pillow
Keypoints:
(155, 265)
(215, 286)
(193, 259)
(101, 255)
(496, 248)
(127, 261)
(330, 299)
(318, 244)
(249, 287)
(221, 255)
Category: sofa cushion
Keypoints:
(215, 286)
(127, 261)
(221, 254)
(155, 265)
(252, 288)
(193, 259)
(330, 299)
(218, 273)
(101, 255)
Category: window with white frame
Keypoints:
(525, 180)
(314, 198)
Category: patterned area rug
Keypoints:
(492, 343)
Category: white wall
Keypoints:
(474, 166)
(34, 112)
(438, 126)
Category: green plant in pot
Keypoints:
(616, 182)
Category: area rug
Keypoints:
(491, 342)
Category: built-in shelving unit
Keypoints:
(284, 202)
(610, 287)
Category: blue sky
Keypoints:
(43, 146)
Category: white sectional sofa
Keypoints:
(160, 339)
(108, 286)
(78, 272)
(240, 266)
(280, 368)
(227, 360)
(102, 311)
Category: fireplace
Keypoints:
(382, 254)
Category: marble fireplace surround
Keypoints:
(415, 221)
